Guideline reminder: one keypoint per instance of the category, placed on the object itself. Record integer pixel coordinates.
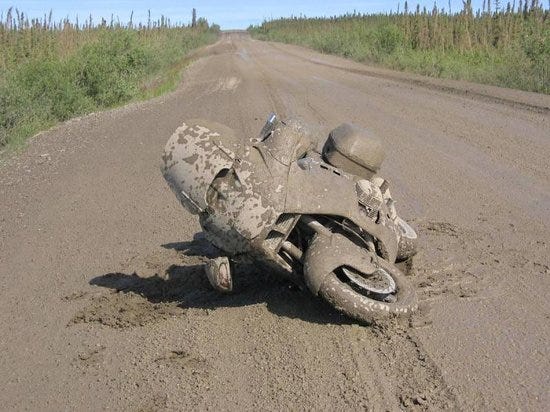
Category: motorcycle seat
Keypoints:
(354, 150)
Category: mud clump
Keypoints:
(158, 402)
(125, 310)
(151, 289)
(91, 357)
(184, 360)
(443, 228)
(447, 263)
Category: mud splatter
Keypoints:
(444, 264)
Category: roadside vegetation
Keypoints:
(504, 45)
(52, 71)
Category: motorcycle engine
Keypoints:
(370, 196)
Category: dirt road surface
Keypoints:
(104, 302)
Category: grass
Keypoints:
(509, 48)
(50, 72)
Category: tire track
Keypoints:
(428, 83)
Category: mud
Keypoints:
(105, 305)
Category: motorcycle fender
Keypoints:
(319, 191)
(193, 157)
(327, 253)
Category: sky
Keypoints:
(229, 14)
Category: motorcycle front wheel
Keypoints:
(342, 289)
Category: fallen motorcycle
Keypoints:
(324, 219)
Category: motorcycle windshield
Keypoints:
(194, 155)
(288, 142)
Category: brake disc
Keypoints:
(379, 281)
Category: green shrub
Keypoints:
(56, 73)
(387, 38)
(52, 85)
(107, 70)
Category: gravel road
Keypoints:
(103, 299)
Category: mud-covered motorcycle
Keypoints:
(325, 219)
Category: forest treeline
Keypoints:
(501, 44)
(54, 70)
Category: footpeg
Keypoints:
(218, 272)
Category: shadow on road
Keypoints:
(199, 246)
(187, 287)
